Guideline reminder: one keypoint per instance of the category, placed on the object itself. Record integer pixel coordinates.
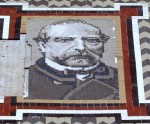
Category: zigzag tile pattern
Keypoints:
(79, 3)
(59, 3)
(126, 1)
(22, 1)
(38, 3)
(144, 30)
(66, 3)
(68, 120)
(102, 3)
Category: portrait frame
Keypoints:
(119, 57)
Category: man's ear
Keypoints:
(41, 46)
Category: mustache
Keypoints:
(81, 54)
(74, 54)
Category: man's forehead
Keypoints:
(71, 29)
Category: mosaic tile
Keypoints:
(66, 89)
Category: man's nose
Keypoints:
(79, 44)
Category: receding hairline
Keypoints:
(67, 22)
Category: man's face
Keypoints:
(75, 45)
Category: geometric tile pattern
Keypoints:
(73, 3)
(144, 30)
(68, 120)
(66, 3)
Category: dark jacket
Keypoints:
(48, 83)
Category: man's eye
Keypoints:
(93, 40)
(63, 40)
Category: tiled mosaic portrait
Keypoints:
(73, 59)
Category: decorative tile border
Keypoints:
(119, 54)
(135, 28)
(142, 70)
